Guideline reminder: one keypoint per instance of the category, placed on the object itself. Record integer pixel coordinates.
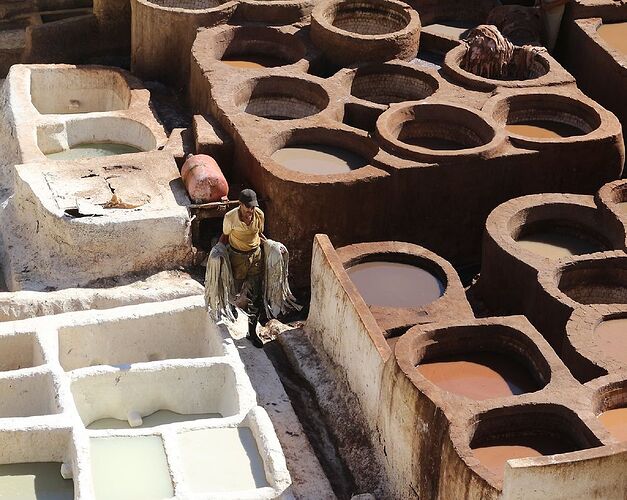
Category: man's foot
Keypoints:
(252, 335)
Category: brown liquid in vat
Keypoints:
(615, 35)
(556, 244)
(612, 338)
(393, 284)
(494, 457)
(252, 62)
(479, 375)
(318, 159)
(615, 421)
(543, 129)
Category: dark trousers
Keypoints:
(248, 275)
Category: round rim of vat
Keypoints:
(265, 85)
(613, 194)
(211, 45)
(555, 103)
(581, 333)
(423, 263)
(442, 338)
(454, 56)
(227, 5)
(573, 429)
(320, 14)
(323, 136)
(387, 131)
(608, 391)
(386, 68)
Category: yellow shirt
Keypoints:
(243, 237)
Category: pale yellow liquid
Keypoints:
(615, 35)
(612, 338)
(543, 129)
(615, 421)
(34, 481)
(93, 150)
(160, 417)
(130, 468)
(221, 460)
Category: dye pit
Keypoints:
(479, 376)
(384, 175)
(92, 150)
(394, 284)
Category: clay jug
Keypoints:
(203, 179)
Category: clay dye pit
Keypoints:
(253, 62)
(93, 150)
(221, 460)
(393, 284)
(494, 457)
(615, 35)
(612, 338)
(615, 421)
(480, 375)
(34, 481)
(130, 467)
(160, 417)
(317, 159)
(556, 245)
(543, 129)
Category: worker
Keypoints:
(242, 229)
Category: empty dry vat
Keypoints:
(214, 389)
(389, 83)
(431, 131)
(20, 350)
(281, 98)
(126, 338)
(356, 31)
(29, 395)
(524, 431)
(482, 361)
(30, 464)
(595, 281)
(69, 90)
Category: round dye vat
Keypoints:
(543, 129)
(480, 375)
(556, 244)
(253, 62)
(93, 150)
(612, 338)
(615, 421)
(393, 284)
(318, 159)
(615, 35)
(494, 457)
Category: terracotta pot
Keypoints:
(203, 179)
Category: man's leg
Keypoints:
(255, 303)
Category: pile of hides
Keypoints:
(490, 55)
(220, 293)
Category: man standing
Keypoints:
(242, 229)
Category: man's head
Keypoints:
(248, 201)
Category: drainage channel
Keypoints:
(308, 412)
